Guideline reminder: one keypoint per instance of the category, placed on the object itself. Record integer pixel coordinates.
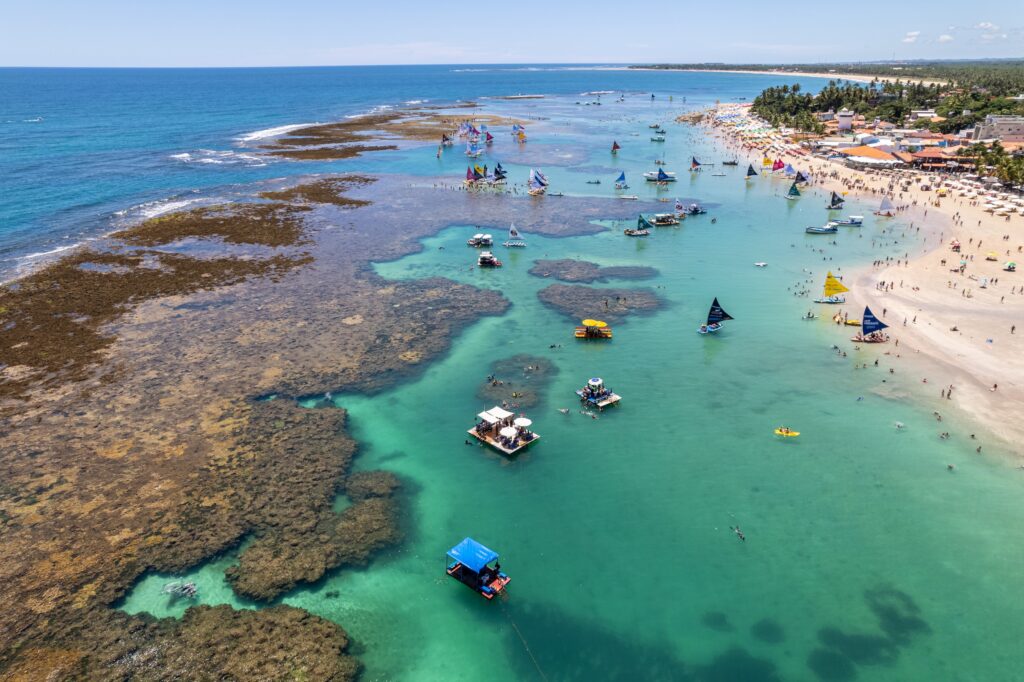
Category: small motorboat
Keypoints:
(761, 264)
(734, 162)
(658, 138)
(824, 229)
(488, 260)
(629, 197)
(661, 220)
(850, 221)
(181, 589)
(696, 209)
(593, 182)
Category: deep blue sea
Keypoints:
(84, 149)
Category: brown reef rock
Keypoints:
(570, 270)
(611, 305)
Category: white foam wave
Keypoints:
(152, 209)
(272, 132)
(416, 101)
(222, 157)
(44, 254)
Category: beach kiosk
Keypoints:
(469, 563)
(596, 394)
(593, 329)
(503, 431)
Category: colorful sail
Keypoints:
(766, 162)
(694, 163)
(836, 201)
(621, 180)
(716, 314)
(469, 174)
(794, 191)
(489, 138)
(833, 286)
(663, 176)
(778, 165)
(870, 323)
(615, 146)
(789, 170)
(750, 171)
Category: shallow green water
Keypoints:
(864, 556)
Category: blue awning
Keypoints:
(472, 554)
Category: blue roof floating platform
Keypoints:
(469, 563)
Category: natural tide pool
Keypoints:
(865, 557)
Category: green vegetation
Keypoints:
(995, 161)
(888, 101)
(996, 77)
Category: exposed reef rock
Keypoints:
(569, 270)
(132, 441)
(518, 382)
(610, 305)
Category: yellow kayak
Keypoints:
(787, 434)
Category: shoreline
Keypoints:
(981, 352)
(858, 78)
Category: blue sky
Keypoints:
(322, 32)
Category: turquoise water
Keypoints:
(864, 556)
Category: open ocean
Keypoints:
(864, 557)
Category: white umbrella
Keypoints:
(523, 422)
(508, 432)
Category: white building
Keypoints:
(999, 127)
(845, 119)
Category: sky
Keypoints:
(141, 33)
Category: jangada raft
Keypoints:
(593, 329)
(503, 431)
(716, 316)
(835, 203)
(871, 329)
(537, 184)
(596, 394)
(469, 562)
(833, 292)
(515, 240)
(660, 175)
(641, 229)
(886, 209)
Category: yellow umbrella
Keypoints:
(594, 323)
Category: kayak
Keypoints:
(790, 434)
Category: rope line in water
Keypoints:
(525, 645)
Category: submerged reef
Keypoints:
(133, 440)
(570, 270)
(610, 305)
(519, 381)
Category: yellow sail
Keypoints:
(833, 286)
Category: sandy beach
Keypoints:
(953, 332)
(858, 78)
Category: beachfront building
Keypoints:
(1000, 127)
(845, 119)
(866, 156)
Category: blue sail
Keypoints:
(662, 176)
(750, 171)
(717, 314)
(870, 323)
(622, 177)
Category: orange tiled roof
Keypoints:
(867, 152)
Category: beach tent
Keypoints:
(488, 417)
(499, 413)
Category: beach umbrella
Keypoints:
(523, 422)
(509, 432)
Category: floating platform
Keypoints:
(494, 443)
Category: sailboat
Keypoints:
(472, 150)
(800, 177)
(794, 192)
(615, 147)
(660, 175)
(642, 228)
(836, 202)
(716, 316)
(751, 172)
(537, 183)
(488, 138)
(886, 209)
(833, 292)
(778, 165)
(620, 182)
(871, 329)
(766, 162)
(694, 164)
(470, 176)
(499, 175)
(446, 141)
(514, 238)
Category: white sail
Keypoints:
(886, 207)
(513, 233)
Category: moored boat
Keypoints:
(828, 228)
(662, 220)
(480, 240)
(469, 562)
(716, 317)
(488, 260)
(833, 291)
(503, 431)
(660, 175)
(835, 203)
(620, 182)
(515, 240)
(658, 138)
(593, 329)
(886, 209)
(794, 192)
(596, 394)
(871, 329)
(850, 221)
